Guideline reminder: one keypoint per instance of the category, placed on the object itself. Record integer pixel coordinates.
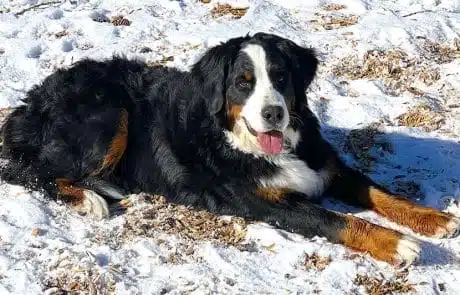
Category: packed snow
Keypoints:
(46, 248)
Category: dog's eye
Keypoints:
(279, 78)
(243, 83)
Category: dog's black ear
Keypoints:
(303, 62)
(212, 71)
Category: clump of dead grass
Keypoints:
(314, 261)
(160, 62)
(421, 116)
(333, 21)
(380, 286)
(4, 112)
(361, 143)
(184, 221)
(77, 279)
(120, 20)
(397, 70)
(441, 52)
(225, 9)
(408, 188)
(334, 7)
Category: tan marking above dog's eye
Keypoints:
(248, 76)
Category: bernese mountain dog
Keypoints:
(233, 135)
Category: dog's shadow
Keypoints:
(431, 165)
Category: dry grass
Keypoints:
(397, 70)
(164, 60)
(334, 7)
(4, 112)
(333, 21)
(186, 222)
(362, 142)
(314, 261)
(226, 9)
(380, 286)
(71, 277)
(440, 52)
(119, 20)
(408, 188)
(421, 116)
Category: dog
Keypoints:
(232, 135)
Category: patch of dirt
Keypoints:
(422, 116)
(333, 21)
(316, 262)
(395, 68)
(225, 9)
(364, 142)
(380, 286)
(185, 222)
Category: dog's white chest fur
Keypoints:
(294, 174)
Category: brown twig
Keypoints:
(416, 12)
(36, 6)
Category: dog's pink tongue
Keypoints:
(271, 142)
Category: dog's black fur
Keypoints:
(176, 145)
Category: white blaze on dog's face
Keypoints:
(258, 103)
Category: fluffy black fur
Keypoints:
(176, 144)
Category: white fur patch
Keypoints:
(452, 229)
(264, 93)
(94, 205)
(295, 174)
(407, 251)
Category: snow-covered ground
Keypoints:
(412, 80)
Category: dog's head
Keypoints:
(256, 85)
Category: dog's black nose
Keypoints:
(273, 114)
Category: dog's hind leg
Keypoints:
(355, 188)
(87, 195)
(117, 147)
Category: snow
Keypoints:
(38, 41)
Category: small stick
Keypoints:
(36, 6)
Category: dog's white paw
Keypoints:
(450, 230)
(407, 251)
(94, 205)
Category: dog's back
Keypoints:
(42, 137)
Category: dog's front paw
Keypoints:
(93, 204)
(407, 252)
(450, 229)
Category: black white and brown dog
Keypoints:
(233, 135)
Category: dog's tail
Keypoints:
(21, 136)
(20, 142)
